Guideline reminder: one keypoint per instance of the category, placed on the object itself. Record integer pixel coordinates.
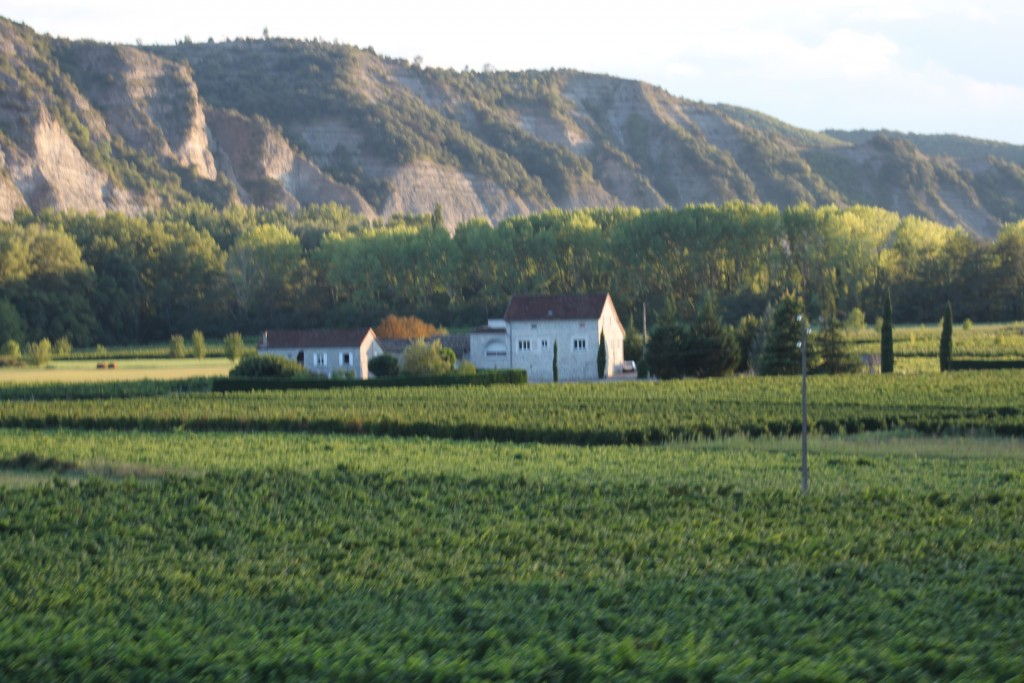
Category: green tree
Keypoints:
(40, 353)
(888, 356)
(855, 320)
(946, 341)
(554, 362)
(830, 342)
(711, 349)
(781, 353)
(424, 359)
(665, 351)
(177, 346)
(384, 365)
(11, 349)
(11, 324)
(234, 345)
(198, 344)
(63, 348)
(602, 357)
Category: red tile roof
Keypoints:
(297, 339)
(555, 307)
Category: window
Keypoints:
(346, 358)
(579, 344)
(525, 344)
(495, 348)
(544, 344)
(320, 358)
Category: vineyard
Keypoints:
(622, 413)
(238, 555)
(167, 530)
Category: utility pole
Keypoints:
(804, 470)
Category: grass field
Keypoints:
(272, 555)
(75, 371)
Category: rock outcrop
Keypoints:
(91, 126)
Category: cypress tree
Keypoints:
(946, 341)
(554, 363)
(602, 358)
(888, 357)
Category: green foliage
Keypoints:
(888, 355)
(705, 348)
(11, 349)
(39, 353)
(63, 348)
(234, 345)
(11, 324)
(785, 334)
(177, 346)
(465, 369)
(198, 344)
(71, 391)
(268, 365)
(855, 320)
(946, 341)
(968, 324)
(749, 335)
(422, 359)
(665, 351)
(384, 365)
(125, 279)
(602, 357)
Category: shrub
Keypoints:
(424, 359)
(384, 366)
(63, 347)
(234, 346)
(465, 369)
(341, 374)
(269, 366)
(101, 350)
(177, 346)
(40, 353)
(968, 324)
(11, 349)
(855, 320)
(198, 344)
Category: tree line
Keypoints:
(113, 278)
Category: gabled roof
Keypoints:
(297, 339)
(555, 307)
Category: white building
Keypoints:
(534, 326)
(325, 352)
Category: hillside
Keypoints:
(91, 126)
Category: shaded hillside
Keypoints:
(278, 122)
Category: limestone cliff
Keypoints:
(277, 122)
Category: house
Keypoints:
(526, 336)
(325, 352)
(459, 343)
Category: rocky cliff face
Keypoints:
(91, 126)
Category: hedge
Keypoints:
(985, 365)
(483, 378)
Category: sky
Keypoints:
(927, 66)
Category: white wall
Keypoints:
(333, 358)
